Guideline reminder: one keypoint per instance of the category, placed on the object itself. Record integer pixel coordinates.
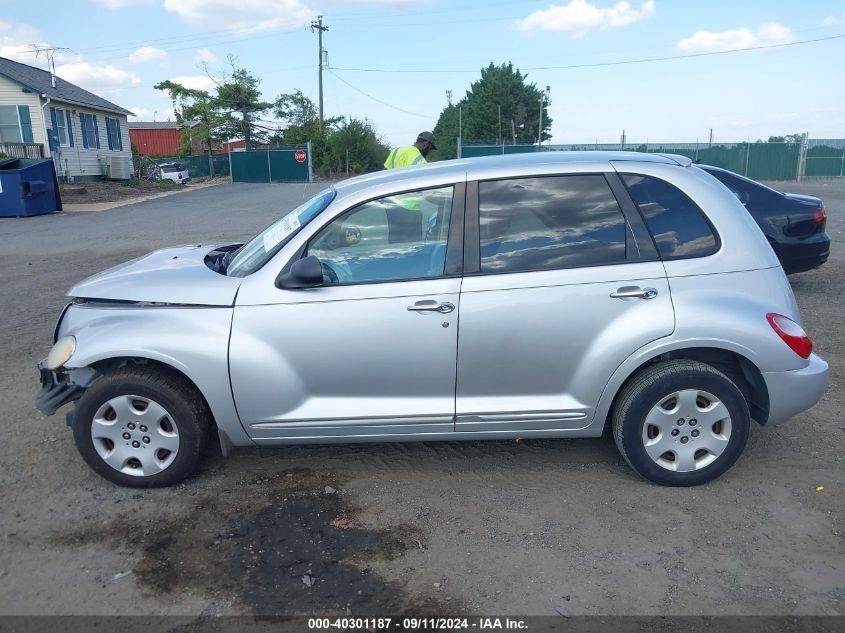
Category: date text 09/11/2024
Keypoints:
(409, 624)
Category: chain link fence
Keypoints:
(820, 158)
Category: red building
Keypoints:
(158, 138)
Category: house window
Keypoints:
(113, 131)
(10, 127)
(90, 136)
(61, 126)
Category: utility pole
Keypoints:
(317, 25)
(449, 97)
(501, 142)
(543, 98)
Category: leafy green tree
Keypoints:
(355, 147)
(501, 89)
(300, 123)
(446, 133)
(295, 109)
(239, 98)
(789, 138)
(200, 116)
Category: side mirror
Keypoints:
(305, 273)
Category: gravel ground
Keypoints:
(540, 527)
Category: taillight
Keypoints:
(820, 216)
(791, 333)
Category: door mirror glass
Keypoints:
(304, 273)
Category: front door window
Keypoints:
(395, 238)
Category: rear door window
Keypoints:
(549, 223)
(677, 224)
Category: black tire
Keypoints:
(652, 386)
(187, 413)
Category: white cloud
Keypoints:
(121, 4)
(579, 16)
(834, 20)
(148, 54)
(96, 77)
(141, 114)
(769, 34)
(197, 82)
(242, 16)
(17, 41)
(205, 56)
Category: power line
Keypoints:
(369, 96)
(600, 64)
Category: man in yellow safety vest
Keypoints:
(412, 154)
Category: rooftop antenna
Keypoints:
(48, 52)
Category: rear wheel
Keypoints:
(141, 427)
(681, 423)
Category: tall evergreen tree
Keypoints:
(500, 89)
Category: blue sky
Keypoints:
(121, 48)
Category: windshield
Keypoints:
(253, 255)
(169, 169)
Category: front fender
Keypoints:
(193, 341)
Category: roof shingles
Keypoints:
(39, 81)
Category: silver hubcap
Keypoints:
(687, 430)
(135, 435)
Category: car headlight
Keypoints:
(61, 352)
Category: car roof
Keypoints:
(458, 168)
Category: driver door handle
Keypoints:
(634, 292)
(430, 305)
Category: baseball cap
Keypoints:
(427, 136)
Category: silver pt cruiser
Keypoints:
(536, 296)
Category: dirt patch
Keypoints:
(296, 548)
(113, 191)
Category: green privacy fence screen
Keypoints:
(759, 161)
(288, 164)
(825, 157)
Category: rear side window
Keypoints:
(549, 223)
(677, 224)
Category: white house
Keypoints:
(42, 115)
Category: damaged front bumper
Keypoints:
(63, 385)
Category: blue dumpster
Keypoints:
(28, 187)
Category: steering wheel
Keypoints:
(329, 272)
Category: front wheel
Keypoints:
(141, 427)
(681, 423)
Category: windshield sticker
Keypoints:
(280, 231)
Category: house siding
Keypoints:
(78, 162)
(71, 162)
(12, 93)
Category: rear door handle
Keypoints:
(429, 305)
(634, 292)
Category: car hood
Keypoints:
(171, 275)
(803, 198)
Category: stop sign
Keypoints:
(299, 155)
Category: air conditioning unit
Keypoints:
(120, 167)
